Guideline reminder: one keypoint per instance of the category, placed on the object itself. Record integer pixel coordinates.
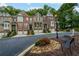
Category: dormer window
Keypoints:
(19, 14)
(49, 14)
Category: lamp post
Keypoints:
(14, 23)
(30, 24)
(56, 29)
(73, 31)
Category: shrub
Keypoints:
(77, 29)
(30, 32)
(8, 33)
(11, 33)
(4, 36)
(42, 42)
(67, 30)
(46, 31)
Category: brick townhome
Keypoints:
(5, 22)
(22, 21)
(39, 21)
(49, 20)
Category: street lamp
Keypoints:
(73, 31)
(30, 25)
(14, 23)
(56, 29)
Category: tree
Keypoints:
(42, 11)
(32, 12)
(12, 11)
(66, 6)
(46, 7)
(66, 15)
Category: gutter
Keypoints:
(26, 50)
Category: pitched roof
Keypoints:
(49, 14)
(22, 13)
(38, 14)
(4, 14)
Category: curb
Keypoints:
(26, 50)
(32, 35)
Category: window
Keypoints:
(6, 25)
(35, 24)
(38, 24)
(20, 18)
(27, 19)
(30, 20)
(52, 23)
(25, 24)
(34, 18)
(1, 20)
(14, 20)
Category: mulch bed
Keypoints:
(75, 49)
(52, 49)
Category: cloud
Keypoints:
(76, 8)
(3, 4)
(30, 8)
(35, 7)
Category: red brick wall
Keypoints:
(22, 26)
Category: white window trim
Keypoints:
(6, 26)
(20, 19)
(52, 23)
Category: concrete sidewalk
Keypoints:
(23, 35)
(1, 34)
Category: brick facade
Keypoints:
(23, 20)
(5, 20)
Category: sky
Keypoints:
(28, 6)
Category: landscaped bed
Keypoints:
(51, 49)
(75, 49)
(54, 48)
